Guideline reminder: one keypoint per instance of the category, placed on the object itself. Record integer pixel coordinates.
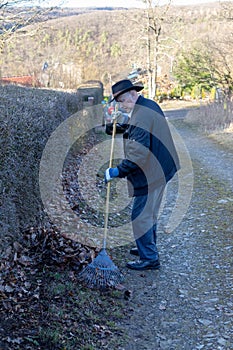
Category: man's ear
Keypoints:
(134, 94)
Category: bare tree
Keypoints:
(155, 16)
(227, 11)
(16, 14)
(221, 63)
(219, 46)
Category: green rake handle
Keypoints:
(108, 184)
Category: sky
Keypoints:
(120, 3)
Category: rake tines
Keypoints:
(101, 273)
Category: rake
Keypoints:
(102, 273)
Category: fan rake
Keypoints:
(102, 273)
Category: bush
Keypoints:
(28, 117)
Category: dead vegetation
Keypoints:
(43, 303)
(215, 120)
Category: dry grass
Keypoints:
(178, 104)
(224, 137)
(216, 121)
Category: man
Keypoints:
(150, 162)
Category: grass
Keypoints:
(65, 315)
(216, 121)
(178, 104)
(224, 137)
(77, 317)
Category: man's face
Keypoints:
(126, 101)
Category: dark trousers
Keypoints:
(144, 222)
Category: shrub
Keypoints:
(28, 117)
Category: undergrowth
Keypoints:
(212, 117)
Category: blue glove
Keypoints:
(110, 173)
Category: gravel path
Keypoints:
(188, 303)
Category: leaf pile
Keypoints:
(38, 248)
(34, 271)
(44, 306)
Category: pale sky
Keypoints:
(121, 3)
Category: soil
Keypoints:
(187, 304)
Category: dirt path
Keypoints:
(188, 304)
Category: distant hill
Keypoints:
(104, 44)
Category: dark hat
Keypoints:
(123, 86)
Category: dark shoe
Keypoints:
(134, 251)
(143, 265)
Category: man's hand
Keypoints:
(110, 173)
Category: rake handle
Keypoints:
(108, 184)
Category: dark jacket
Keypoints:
(150, 155)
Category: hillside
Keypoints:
(106, 44)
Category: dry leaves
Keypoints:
(38, 247)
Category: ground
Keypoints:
(187, 304)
